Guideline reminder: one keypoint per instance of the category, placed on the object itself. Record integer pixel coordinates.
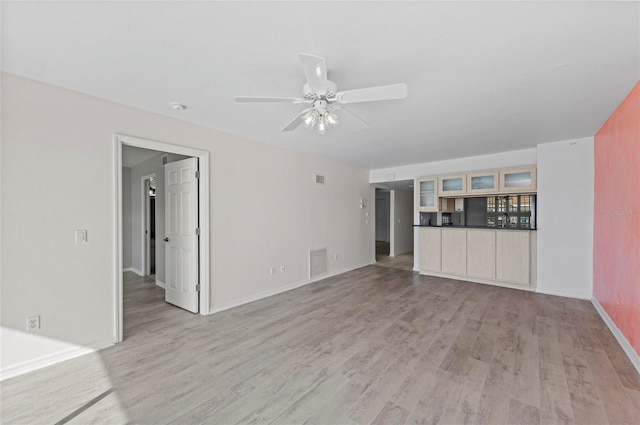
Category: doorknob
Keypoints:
(166, 239)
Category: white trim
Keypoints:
(160, 283)
(624, 343)
(203, 213)
(117, 261)
(282, 289)
(562, 294)
(48, 360)
(134, 270)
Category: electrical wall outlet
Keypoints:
(273, 270)
(33, 323)
(281, 269)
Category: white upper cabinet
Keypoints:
(518, 180)
(452, 185)
(427, 193)
(431, 191)
(482, 183)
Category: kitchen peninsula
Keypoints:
(479, 227)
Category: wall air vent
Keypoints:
(317, 262)
(319, 179)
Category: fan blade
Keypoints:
(294, 123)
(373, 94)
(269, 99)
(352, 121)
(315, 69)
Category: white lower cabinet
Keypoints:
(481, 253)
(498, 257)
(454, 251)
(513, 257)
(430, 249)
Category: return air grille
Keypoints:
(317, 262)
(319, 179)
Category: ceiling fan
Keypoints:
(324, 98)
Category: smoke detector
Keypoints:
(178, 106)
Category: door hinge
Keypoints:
(198, 287)
(197, 231)
(197, 174)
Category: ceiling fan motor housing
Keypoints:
(329, 95)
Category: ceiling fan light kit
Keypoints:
(323, 95)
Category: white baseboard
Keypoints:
(272, 292)
(562, 294)
(48, 360)
(624, 343)
(134, 270)
(160, 283)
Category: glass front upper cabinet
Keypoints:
(427, 194)
(481, 183)
(452, 185)
(518, 180)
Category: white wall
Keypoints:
(126, 217)
(402, 221)
(266, 210)
(565, 218)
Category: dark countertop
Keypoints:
(473, 227)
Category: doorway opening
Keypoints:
(149, 225)
(172, 247)
(394, 231)
(383, 224)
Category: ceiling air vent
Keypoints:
(319, 179)
(317, 262)
(165, 159)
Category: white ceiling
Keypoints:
(482, 76)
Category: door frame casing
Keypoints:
(146, 214)
(203, 218)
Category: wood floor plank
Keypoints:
(436, 399)
(411, 389)
(620, 362)
(555, 400)
(523, 414)
(578, 375)
(391, 414)
(309, 403)
(463, 410)
(373, 345)
(375, 397)
(614, 398)
(587, 411)
(493, 408)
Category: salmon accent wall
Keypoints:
(616, 232)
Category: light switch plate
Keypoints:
(81, 235)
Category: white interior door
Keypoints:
(181, 239)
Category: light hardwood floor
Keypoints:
(372, 346)
(401, 262)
